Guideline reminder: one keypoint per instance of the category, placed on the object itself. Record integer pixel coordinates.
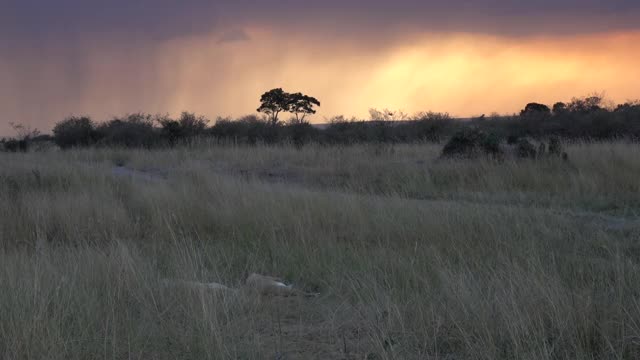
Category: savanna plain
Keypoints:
(412, 256)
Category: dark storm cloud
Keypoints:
(108, 57)
(47, 20)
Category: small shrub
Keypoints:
(542, 150)
(555, 147)
(25, 135)
(472, 143)
(428, 127)
(301, 133)
(15, 145)
(559, 108)
(135, 130)
(229, 130)
(187, 126)
(526, 149)
(171, 130)
(383, 131)
(192, 124)
(260, 131)
(536, 110)
(74, 131)
(587, 104)
(346, 131)
(491, 145)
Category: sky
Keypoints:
(108, 58)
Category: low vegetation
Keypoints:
(414, 256)
(425, 237)
(581, 119)
(473, 143)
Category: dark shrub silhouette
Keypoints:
(346, 131)
(249, 129)
(630, 107)
(187, 126)
(585, 118)
(259, 131)
(429, 126)
(228, 129)
(559, 108)
(526, 149)
(472, 143)
(491, 145)
(25, 135)
(587, 104)
(343, 131)
(15, 145)
(134, 130)
(301, 133)
(536, 110)
(555, 147)
(192, 125)
(383, 131)
(171, 130)
(74, 131)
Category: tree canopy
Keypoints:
(272, 103)
(535, 109)
(275, 101)
(300, 104)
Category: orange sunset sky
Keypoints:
(349, 58)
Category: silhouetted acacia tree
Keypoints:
(275, 101)
(272, 103)
(300, 104)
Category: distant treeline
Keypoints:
(585, 118)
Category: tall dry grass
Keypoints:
(413, 257)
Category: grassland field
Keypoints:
(414, 257)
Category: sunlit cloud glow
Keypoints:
(222, 71)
